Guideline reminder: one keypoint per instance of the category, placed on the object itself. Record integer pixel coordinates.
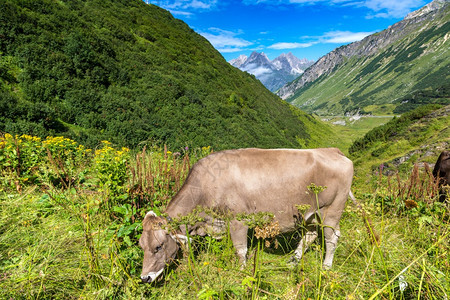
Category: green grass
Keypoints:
(81, 242)
(45, 256)
(344, 135)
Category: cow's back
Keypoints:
(274, 180)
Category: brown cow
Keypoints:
(441, 172)
(250, 181)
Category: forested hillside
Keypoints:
(128, 72)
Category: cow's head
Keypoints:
(160, 248)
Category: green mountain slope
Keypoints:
(378, 73)
(129, 72)
(417, 136)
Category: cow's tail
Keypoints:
(374, 236)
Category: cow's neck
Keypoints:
(180, 207)
(175, 211)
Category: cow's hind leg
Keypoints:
(331, 238)
(307, 239)
(238, 233)
(330, 227)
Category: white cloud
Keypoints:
(343, 37)
(181, 13)
(310, 2)
(281, 46)
(187, 4)
(377, 8)
(332, 37)
(230, 50)
(392, 8)
(186, 8)
(257, 71)
(226, 41)
(195, 4)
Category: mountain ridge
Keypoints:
(420, 34)
(273, 74)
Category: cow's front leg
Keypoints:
(238, 233)
(307, 239)
(331, 238)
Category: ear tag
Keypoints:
(181, 238)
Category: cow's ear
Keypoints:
(151, 214)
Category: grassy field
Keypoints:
(70, 219)
(347, 129)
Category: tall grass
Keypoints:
(71, 231)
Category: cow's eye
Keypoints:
(158, 248)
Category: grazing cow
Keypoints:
(250, 181)
(441, 172)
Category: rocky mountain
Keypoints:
(273, 74)
(373, 75)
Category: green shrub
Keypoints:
(390, 130)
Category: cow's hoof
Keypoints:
(293, 261)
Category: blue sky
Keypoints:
(307, 28)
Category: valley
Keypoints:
(105, 106)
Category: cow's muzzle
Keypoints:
(150, 277)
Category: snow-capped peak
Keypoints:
(273, 74)
(237, 62)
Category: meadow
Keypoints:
(70, 219)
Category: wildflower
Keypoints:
(410, 203)
(402, 283)
(267, 231)
(302, 208)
